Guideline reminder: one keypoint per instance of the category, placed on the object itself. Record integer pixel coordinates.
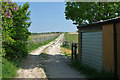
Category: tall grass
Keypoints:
(9, 69)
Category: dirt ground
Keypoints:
(53, 65)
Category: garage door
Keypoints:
(92, 49)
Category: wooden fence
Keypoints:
(74, 49)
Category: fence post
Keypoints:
(75, 51)
(72, 50)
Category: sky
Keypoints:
(49, 17)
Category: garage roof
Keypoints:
(107, 21)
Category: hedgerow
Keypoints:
(15, 24)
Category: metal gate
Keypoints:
(92, 49)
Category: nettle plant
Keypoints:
(15, 23)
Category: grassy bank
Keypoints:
(9, 68)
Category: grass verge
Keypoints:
(9, 69)
(67, 52)
(90, 72)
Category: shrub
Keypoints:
(15, 29)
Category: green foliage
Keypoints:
(15, 24)
(15, 29)
(68, 55)
(8, 69)
(71, 37)
(89, 12)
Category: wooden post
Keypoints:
(75, 53)
(79, 45)
(72, 50)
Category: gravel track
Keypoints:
(55, 63)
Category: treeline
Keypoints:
(15, 24)
(45, 33)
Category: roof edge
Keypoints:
(107, 21)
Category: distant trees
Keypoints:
(45, 33)
(88, 12)
(15, 24)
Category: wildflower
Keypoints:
(9, 2)
(9, 10)
(11, 7)
(8, 15)
(5, 13)
(6, 9)
(16, 8)
(5, 6)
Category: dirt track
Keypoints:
(55, 63)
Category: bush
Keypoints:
(15, 30)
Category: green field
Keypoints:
(71, 37)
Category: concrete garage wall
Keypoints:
(118, 47)
(108, 47)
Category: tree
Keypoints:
(89, 12)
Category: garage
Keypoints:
(99, 45)
(92, 49)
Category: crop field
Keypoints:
(71, 37)
(38, 40)
(43, 37)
